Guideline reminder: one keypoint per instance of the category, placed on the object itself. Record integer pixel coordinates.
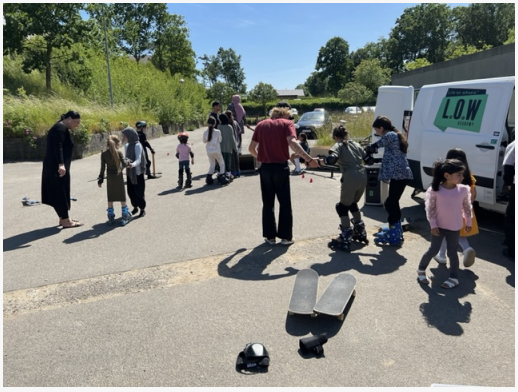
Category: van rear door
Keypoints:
(469, 115)
(393, 102)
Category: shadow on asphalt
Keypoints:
(444, 310)
(22, 240)
(384, 262)
(95, 232)
(300, 325)
(253, 265)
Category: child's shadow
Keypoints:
(253, 265)
(96, 231)
(22, 240)
(444, 310)
(384, 262)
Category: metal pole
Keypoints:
(107, 57)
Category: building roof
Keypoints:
(289, 93)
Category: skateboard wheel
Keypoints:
(313, 315)
(291, 313)
(341, 317)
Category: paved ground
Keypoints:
(172, 298)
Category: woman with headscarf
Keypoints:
(239, 114)
(55, 179)
(136, 167)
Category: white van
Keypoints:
(477, 116)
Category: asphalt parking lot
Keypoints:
(171, 299)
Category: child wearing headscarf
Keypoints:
(136, 167)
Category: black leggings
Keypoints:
(396, 189)
(136, 192)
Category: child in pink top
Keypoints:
(183, 153)
(447, 202)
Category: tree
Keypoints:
(39, 30)
(419, 63)
(510, 37)
(372, 50)
(370, 74)
(137, 26)
(482, 24)
(423, 31)
(334, 63)
(225, 66)
(263, 93)
(355, 94)
(173, 50)
(221, 92)
(316, 84)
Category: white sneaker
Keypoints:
(271, 242)
(469, 257)
(439, 259)
(287, 242)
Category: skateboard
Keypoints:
(304, 294)
(336, 296)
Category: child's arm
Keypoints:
(100, 179)
(466, 209)
(431, 210)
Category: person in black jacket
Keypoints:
(55, 179)
(141, 126)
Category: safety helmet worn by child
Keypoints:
(141, 124)
(183, 137)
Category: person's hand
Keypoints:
(61, 170)
(314, 162)
(152, 151)
(100, 184)
(467, 229)
(435, 231)
(192, 161)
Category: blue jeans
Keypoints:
(275, 182)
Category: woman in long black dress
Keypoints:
(55, 181)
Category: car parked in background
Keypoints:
(310, 122)
(368, 109)
(353, 110)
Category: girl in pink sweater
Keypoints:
(447, 202)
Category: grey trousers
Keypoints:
(452, 240)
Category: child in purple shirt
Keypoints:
(447, 203)
(183, 153)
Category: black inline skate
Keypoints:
(359, 233)
(343, 241)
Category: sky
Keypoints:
(279, 43)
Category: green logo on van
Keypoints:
(462, 108)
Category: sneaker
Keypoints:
(469, 257)
(439, 259)
(134, 211)
(296, 172)
(142, 213)
(287, 242)
(271, 242)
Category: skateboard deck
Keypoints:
(304, 294)
(336, 296)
